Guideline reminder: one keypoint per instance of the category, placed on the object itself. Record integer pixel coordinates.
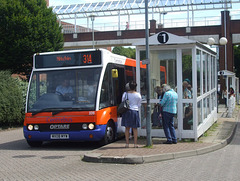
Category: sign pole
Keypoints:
(148, 118)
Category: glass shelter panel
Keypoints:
(187, 73)
(204, 60)
(143, 80)
(163, 69)
(187, 117)
(199, 111)
(198, 63)
(208, 72)
(187, 88)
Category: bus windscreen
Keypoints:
(68, 59)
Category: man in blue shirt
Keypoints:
(169, 108)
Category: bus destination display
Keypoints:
(68, 59)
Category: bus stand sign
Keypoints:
(146, 61)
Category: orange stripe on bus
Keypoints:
(100, 117)
(132, 63)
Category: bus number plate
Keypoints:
(59, 136)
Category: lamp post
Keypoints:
(92, 16)
(222, 42)
(148, 118)
(162, 13)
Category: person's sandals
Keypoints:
(135, 146)
(127, 146)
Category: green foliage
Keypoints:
(12, 102)
(237, 60)
(127, 52)
(26, 27)
(187, 67)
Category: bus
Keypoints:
(73, 96)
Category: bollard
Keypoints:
(231, 106)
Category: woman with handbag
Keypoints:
(131, 119)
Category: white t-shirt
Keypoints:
(134, 100)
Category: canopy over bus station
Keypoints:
(190, 68)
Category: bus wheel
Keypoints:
(34, 143)
(109, 134)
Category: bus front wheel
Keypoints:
(34, 143)
(109, 136)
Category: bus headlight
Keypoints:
(84, 126)
(30, 127)
(36, 127)
(91, 126)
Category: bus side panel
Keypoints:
(104, 115)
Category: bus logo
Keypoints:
(59, 126)
(59, 120)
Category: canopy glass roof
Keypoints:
(134, 7)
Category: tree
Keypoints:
(237, 60)
(26, 27)
(127, 52)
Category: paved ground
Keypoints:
(217, 138)
(63, 161)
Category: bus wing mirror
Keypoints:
(114, 73)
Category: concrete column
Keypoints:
(226, 32)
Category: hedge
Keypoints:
(12, 100)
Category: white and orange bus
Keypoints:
(95, 81)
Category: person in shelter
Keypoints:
(169, 110)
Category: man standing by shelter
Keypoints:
(169, 107)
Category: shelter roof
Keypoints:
(165, 38)
(134, 7)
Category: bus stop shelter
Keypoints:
(229, 80)
(190, 68)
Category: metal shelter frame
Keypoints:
(135, 7)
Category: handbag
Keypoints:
(123, 106)
(156, 118)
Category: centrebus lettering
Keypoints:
(59, 120)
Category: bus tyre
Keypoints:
(109, 136)
(34, 143)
